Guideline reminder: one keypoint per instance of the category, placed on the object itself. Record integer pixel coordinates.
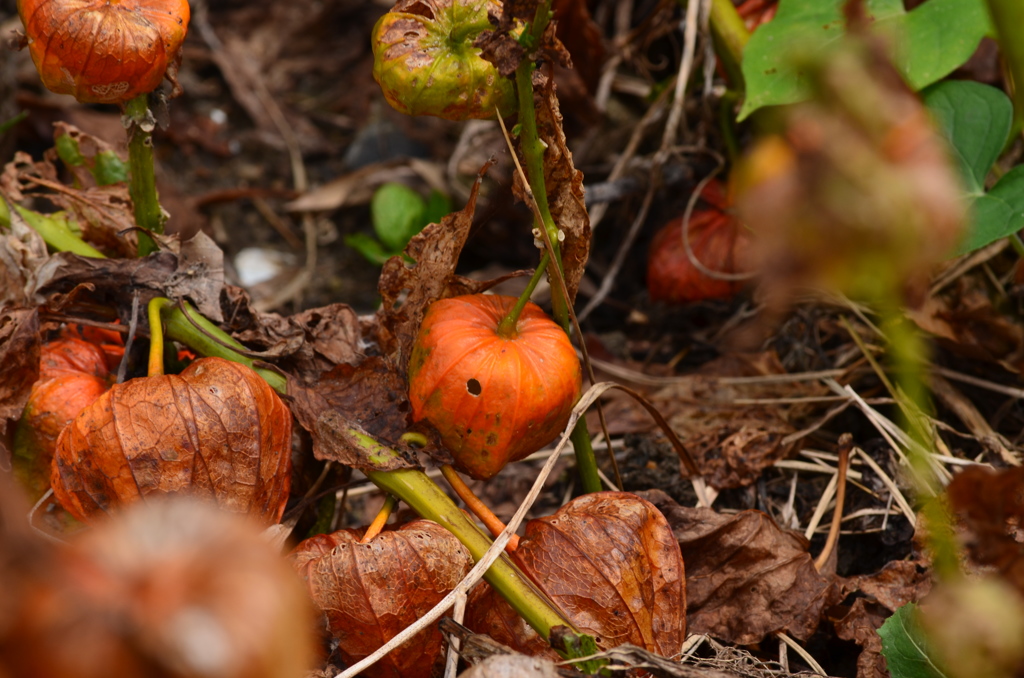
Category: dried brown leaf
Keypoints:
(199, 276)
(990, 507)
(860, 623)
(407, 290)
(610, 562)
(747, 578)
(19, 364)
(22, 254)
(368, 593)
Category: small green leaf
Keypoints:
(976, 121)
(371, 249)
(929, 42)
(397, 211)
(997, 213)
(905, 647)
(109, 169)
(68, 151)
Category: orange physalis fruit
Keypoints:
(104, 51)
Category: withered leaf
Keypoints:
(22, 253)
(306, 344)
(111, 279)
(216, 431)
(371, 398)
(199, 276)
(407, 290)
(370, 592)
(19, 364)
(564, 185)
(990, 506)
(610, 562)
(860, 623)
(582, 37)
(746, 578)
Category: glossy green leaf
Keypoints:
(997, 213)
(905, 647)
(928, 42)
(976, 121)
(397, 213)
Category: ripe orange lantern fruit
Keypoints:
(104, 51)
(493, 398)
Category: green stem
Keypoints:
(211, 340)
(507, 326)
(148, 214)
(907, 355)
(156, 335)
(429, 501)
(730, 36)
(1008, 19)
(533, 155)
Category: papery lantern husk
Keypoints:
(610, 562)
(493, 399)
(215, 431)
(718, 241)
(172, 587)
(72, 375)
(101, 51)
(368, 593)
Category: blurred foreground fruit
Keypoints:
(173, 588)
(494, 399)
(103, 51)
(370, 592)
(215, 431)
(718, 242)
(609, 560)
(425, 62)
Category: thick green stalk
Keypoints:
(429, 501)
(730, 35)
(212, 340)
(1008, 19)
(148, 214)
(533, 155)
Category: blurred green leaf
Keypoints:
(68, 151)
(368, 247)
(397, 213)
(438, 206)
(928, 42)
(905, 647)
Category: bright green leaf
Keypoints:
(929, 43)
(371, 249)
(976, 121)
(109, 169)
(397, 211)
(905, 647)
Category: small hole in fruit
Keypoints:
(474, 388)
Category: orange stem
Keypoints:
(477, 507)
(380, 520)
